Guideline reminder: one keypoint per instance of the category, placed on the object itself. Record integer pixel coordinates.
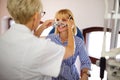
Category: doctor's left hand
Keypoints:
(43, 26)
(47, 23)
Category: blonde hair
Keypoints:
(65, 14)
(22, 10)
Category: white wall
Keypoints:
(87, 13)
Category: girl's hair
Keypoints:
(22, 10)
(65, 14)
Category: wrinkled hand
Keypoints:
(42, 27)
(47, 23)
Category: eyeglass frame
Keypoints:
(61, 22)
(42, 13)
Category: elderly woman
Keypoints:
(68, 68)
(23, 56)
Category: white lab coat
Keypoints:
(26, 57)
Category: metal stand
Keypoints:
(114, 26)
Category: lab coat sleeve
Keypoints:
(47, 59)
(52, 59)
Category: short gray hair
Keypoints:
(22, 10)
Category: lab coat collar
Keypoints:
(20, 27)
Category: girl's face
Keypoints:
(62, 24)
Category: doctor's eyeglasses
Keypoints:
(42, 13)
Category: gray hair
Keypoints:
(22, 10)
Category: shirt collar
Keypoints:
(20, 27)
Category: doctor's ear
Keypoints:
(35, 16)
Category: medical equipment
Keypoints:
(110, 61)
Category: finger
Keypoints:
(69, 24)
(49, 23)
